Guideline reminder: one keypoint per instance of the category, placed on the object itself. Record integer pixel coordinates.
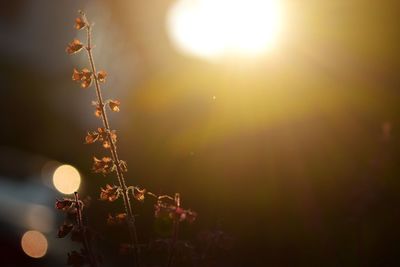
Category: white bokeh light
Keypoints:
(217, 28)
(66, 179)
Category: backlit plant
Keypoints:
(73, 225)
(90, 77)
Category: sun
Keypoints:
(219, 28)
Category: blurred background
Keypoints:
(277, 121)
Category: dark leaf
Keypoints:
(64, 230)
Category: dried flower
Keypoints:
(102, 132)
(74, 47)
(190, 216)
(91, 137)
(98, 111)
(110, 193)
(114, 105)
(76, 75)
(102, 136)
(157, 210)
(163, 209)
(106, 144)
(101, 76)
(105, 138)
(79, 23)
(64, 204)
(104, 165)
(138, 194)
(84, 76)
(113, 136)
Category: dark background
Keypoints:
(295, 157)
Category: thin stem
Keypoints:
(175, 231)
(82, 230)
(113, 149)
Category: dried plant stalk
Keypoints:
(119, 165)
(82, 229)
(86, 77)
(73, 225)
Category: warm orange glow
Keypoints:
(34, 244)
(215, 28)
(66, 179)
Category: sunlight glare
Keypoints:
(215, 28)
(66, 179)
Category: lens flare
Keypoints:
(34, 244)
(215, 28)
(66, 179)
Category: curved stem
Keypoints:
(113, 149)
